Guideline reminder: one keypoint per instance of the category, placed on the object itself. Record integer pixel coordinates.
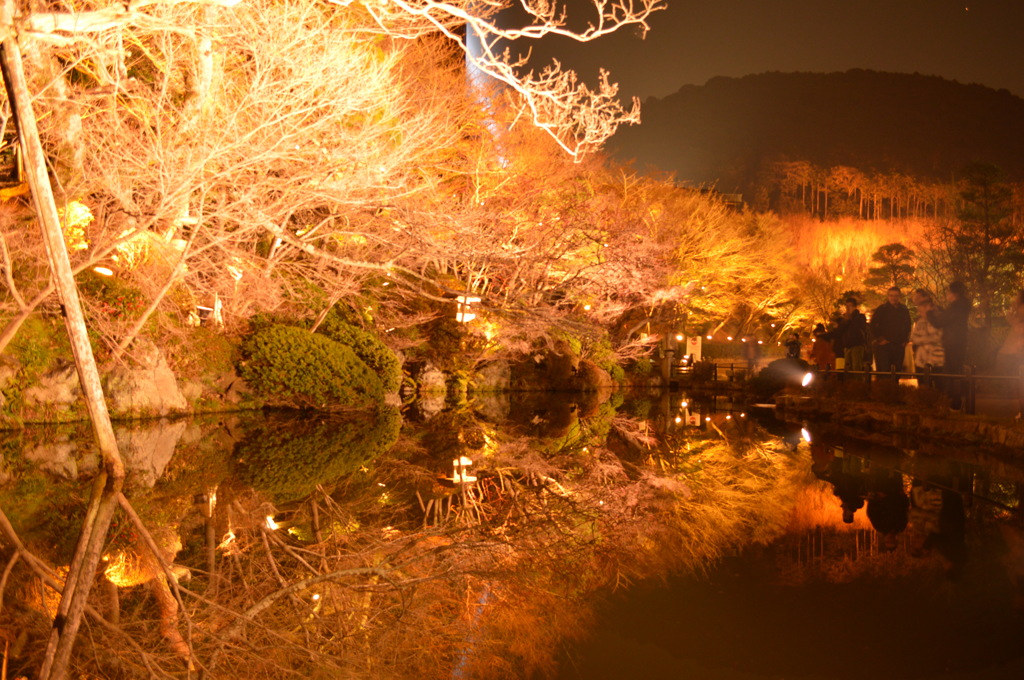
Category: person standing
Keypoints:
(793, 346)
(926, 338)
(890, 328)
(852, 335)
(1010, 358)
(823, 357)
(953, 322)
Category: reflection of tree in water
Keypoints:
(286, 457)
(348, 581)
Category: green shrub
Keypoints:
(311, 370)
(367, 347)
(643, 366)
(288, 456)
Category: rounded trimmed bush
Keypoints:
(287, 456)
(367, 347)
(293, 365)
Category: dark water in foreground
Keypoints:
(814, 555)
(938, 593)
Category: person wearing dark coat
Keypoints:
(953, 322)
(890, 330)
(852, 336)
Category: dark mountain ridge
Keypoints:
(726, 131)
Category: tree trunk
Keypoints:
(82, 575)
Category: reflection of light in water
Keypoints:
(125, 570)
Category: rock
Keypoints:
(432, 379)
(592, 378)
(493, 376)
(192, 390)
(57, 392)
(492, 405)
(431, 403)
(238, 391)
(147, 449)
(149, 389)
(57, 458)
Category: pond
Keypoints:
(525, 535)
(897, 563)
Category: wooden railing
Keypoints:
(968, 381)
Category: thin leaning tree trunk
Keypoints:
(87, 555)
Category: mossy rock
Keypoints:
(292, 366)
(288, 456)
(368, 347)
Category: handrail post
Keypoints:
(970, 388)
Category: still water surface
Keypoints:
(858, 560)
(898, 563)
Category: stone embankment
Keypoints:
(937, 424)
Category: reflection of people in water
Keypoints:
(880, 489)
(938, 525)
(844, 474)
(888, 505)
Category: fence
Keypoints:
(966, 383)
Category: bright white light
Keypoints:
(684, 404)
(679, 338)
(805, 435)
(679, 419)
(586, 308)
(103, 271)
(807, 379)
(729, 337)
(271, 524)
(316, 596)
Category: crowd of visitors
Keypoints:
(936, 342)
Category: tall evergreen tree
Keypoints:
(985, 250)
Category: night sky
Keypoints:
(694, 40)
